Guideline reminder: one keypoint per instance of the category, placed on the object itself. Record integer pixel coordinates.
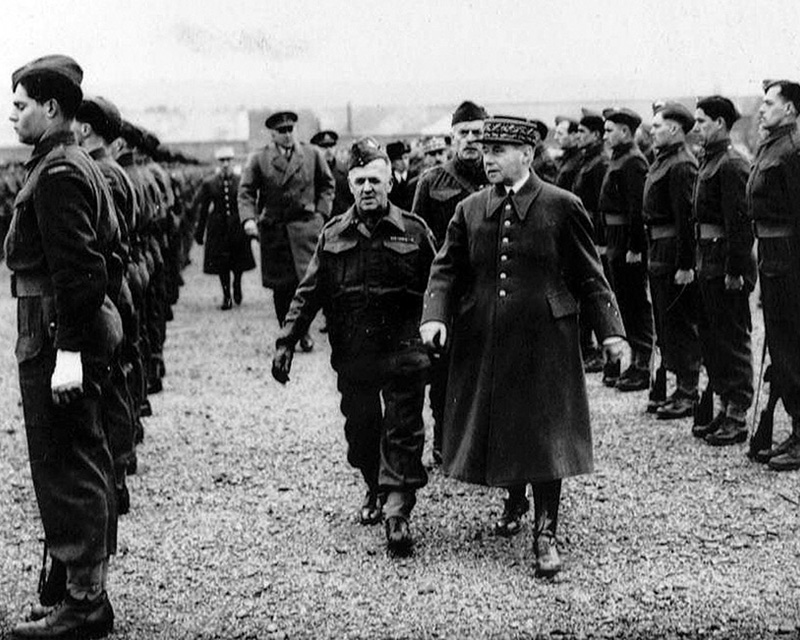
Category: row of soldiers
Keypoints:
(96, 242)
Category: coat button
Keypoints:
(502, 293)
(503, 275)
(505, 240)
(508, 207)
(507, 223)
(503, 257)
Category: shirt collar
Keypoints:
(48, 142)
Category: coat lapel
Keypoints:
(294, 164)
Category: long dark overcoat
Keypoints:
(227, 248)
(509, 280)
(290, 198)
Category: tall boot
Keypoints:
(237, 287)
(546, 500)
(516, 505)
(225, 281)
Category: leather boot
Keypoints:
(789, 460)
(71, 618)
(546, 500)
(515, 506)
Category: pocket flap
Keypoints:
(340, 245)
(562, 304)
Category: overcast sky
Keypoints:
(306, 53)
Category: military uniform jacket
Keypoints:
(588, 182)
(621, 197)
(440, 189)
(123, 193)
(227, 248)
(290, 198)
(62, 246)
(370, 286)
(568, 168)
(667, 203)
(720, 200)
(509, 281)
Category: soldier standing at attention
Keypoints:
(60, 248)
(227, 248)
(517, 262)
(285, 195)
(543, 164)
(326, 141)
(620, 204)
(368, 275)
(667, 210)
(439, 190)
(773, 200)
(726, 271)
(566, 135)
(586, 186)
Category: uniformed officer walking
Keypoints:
(61, 249)
(326, 140)
(227, 250)
(285, 195)
(439, 190)
(368, 275)
(726, 271)
(773, 198)
(517, 262)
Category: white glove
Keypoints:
(434, 335)
(251, 228)
(66, 383)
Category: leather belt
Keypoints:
(708, 231)
(773, 230)
(615, 220)
(662, 231)
(31, 285)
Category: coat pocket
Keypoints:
(562, 304)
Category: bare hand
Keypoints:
(684, 276)
(734, 283)
(434, 335)
(251, 228)
(633, 258)
(617, 350)
(66, 383)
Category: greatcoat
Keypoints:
(509, 280)
(290, 198)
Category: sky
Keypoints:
(303, 53)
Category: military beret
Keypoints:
(510, 130)
(591, 120)
(365, 150)
(434, 145)
(677, 112)
(280, 119)
(397, 149)
(103, 115)
(324, 139)
(719, 107)
(623, 116)
(59, 65)
(468, 111)
(224, 153)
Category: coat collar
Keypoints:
(99, 153)
(350, 221)
(48, 142)
(287, 167)
(779, 132)
(715, 149)
(520, 201)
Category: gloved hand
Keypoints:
(251, 228)
(282, 363)
(66, 384)
(616, 349)
(434, 335)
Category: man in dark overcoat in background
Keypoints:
(227, 248)
(438, 192)
(326, 140)
(517, 262)
(404, 180)
(285, 195)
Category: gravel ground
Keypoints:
(244, 516)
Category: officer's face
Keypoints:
(283, 136)
(436, 158)
(708, 130)
(506, 163)
(465, 140)
(370, 185)
(563, 137)
(30, 118)
(774, 110)
(615, 134)
(226, 166)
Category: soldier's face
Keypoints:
(707, 129)
(80, 130)
(330, 154)
(585, 136)
(400, 164)
(506, 163)
(29, 118)
(774, 110)
(563, 137)
(465, 140)
(615, 134)
(370, 185)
